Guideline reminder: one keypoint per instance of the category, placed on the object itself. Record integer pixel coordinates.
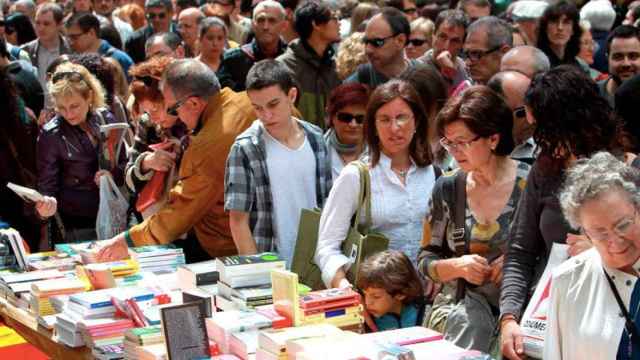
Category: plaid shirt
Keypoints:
(246, 183)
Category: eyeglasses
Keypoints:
(400, 120)
(69, 75)
(347, 118)
(173, 109)
(377, 42)
(416, 42)
(410, 11)
(475, 55)
(152, 16)
(621, 229)
(460, 145)
(74, 37)
(520, 112)
(148, 81)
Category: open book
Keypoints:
(26, 193)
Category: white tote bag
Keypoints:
(112, 212)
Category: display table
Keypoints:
(27, 326)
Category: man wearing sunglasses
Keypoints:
(195, 205)
(159, 14)
(385, 37)
(512, 86)
(268, 21)
(450, 29)
(488, 39)
(310, 58)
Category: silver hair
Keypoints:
(498, 31)
(600, 14)
(591, 178)
(190, 77)
(540, 61)
(30, 4)
(209, 22)
(269, 4)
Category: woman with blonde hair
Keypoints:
(350, 54)
(72, 153)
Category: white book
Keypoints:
(26, 193)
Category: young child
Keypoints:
(392, 290)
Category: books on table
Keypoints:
(273, 342)
(158, 258)
(248, 270)
(14, 241)
(197, 274)
(222, 324)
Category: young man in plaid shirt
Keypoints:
(275, 168)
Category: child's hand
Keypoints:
(368, 319)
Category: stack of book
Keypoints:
(158, 258)
(50, 260)
(42, 291)
(153, 352)
(97, 304)
(135, 339)
(339, 307)
(245, 280)
(108, 352)
(272, 344)
(118, 268)
(198, 275)
(221, 325)
(12, 285)
(102, 332)
(7, 258)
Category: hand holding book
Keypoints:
(113, 250)
(47, 207)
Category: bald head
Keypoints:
(188, 22)
(512, 86)
(527, 60)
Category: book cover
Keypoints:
(275, 340)
(285, 294)
(406, 336)
(184, 331)
(328, 299)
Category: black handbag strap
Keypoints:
(629, 323)
(460, 235)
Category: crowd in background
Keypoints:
(486, 131)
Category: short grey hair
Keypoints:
(599, 13)
(29, 4)
(209, 22)
(498, 31)
(269, 4)
(190, 77)
(539, 60)
(591, 178)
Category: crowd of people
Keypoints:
(485, 132)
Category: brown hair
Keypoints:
(384, 94)
(154, 68)
(132, 14)
(484, 112)
(392, 271)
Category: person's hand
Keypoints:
(577, 244)
(340, 281)
(496, 271)
(473, 268)
(47, 207)
(99, 174)
(113, 250)
(159, 160)
(446, 63)
(511, 339)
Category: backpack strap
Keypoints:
(460, 235)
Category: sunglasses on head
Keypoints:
(347, 118)
(416, 42)
(69, 75)
(377, 42)
(520, 112)
(160, 16)
(148, 81)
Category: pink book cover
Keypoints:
(326, 298)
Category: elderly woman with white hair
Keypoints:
(601, 16)
(595, 296)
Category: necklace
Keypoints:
(401, 173)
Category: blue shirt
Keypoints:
(123, 59)
(623, 349)
(390, 321)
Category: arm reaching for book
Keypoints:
(114, 249)
(241, 232)
(47, 207)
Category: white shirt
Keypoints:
(397, 211)
(584, 320)
(292, 180)
(336, 163)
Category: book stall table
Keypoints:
(26, 325)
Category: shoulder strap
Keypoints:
(460, 234)
(248, 50)
(364, 196)
(629, 324)
(437, 171)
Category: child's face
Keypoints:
(378, 301)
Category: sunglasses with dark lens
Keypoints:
(160, 16)
(376, 42)
(69, 75)
(475, 55)
(416, 42)
(410, 11)
(148, 81)
(520, 112)
(173, 109)
(2, 22)
(347, 118)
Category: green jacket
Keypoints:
(316, 77)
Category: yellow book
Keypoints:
(286, 300)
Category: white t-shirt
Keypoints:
(292, 178)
